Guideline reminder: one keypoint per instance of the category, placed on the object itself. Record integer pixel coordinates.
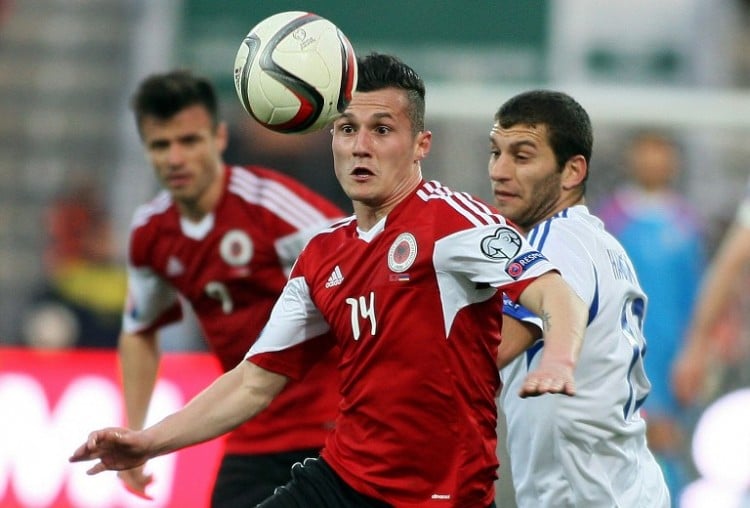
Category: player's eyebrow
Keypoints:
(376, 117)
(344, 116)
(516, 145)
(383, 114)
(523, 143)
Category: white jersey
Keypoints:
(588, 450)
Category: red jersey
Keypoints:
(231, 268)
(413, 306)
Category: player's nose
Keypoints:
(499, 168)
(175, 155)
(362, 142)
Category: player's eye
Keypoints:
(190, 140)
(156, 146)
(523, 157)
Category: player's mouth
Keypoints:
(178, 180)
(504, 195)
(361, 173)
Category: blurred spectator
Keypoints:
(6, 6)
(661, 232)
(79, 303)
(708, 341)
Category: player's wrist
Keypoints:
(560, 357)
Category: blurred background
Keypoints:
(72, 169)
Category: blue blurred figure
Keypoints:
(664, 236)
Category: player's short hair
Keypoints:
(164, 95)
(654, 136)
(568, 124)
(377, 71)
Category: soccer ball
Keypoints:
(295, 72)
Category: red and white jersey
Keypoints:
(231, 268)
(413, 306)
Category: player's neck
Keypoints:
(196, 209)
(562, 205)
(370, 213)
(367, 216)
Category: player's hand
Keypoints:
(136, 480)
(116, 448)
(549, 378)
(689, 376)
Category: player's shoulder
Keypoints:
(261, 179)
(255, 171)
(251, 183)
(277, 196)
(334, 233)
(573, 227)
(450, 209)
(151, 222)
(151, 212)
(273, 190)
(331, 239)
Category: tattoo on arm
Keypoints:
(545, 317)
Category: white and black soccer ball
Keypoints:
(295, 72)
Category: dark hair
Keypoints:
(568, 124)
(654, 135)
(377, 72)
(164, 95)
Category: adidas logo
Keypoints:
(335, 278)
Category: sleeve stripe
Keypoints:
(481, 209)
(275, 197)
(143, 213)
(538, 235)
(475, 211)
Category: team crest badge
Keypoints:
(402, 253)
(236, 248)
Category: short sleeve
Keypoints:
(151, 301)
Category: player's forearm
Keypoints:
(563, 315)
(563, 336)
(139, 363)
(517, 337)
(230, 400)
(718, 286)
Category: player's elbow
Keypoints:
(260, 385)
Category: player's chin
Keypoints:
(181, 192)
(507, 208)
(361, 192)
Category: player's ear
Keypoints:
(424, 142)
(222, 136)
(574, 172)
